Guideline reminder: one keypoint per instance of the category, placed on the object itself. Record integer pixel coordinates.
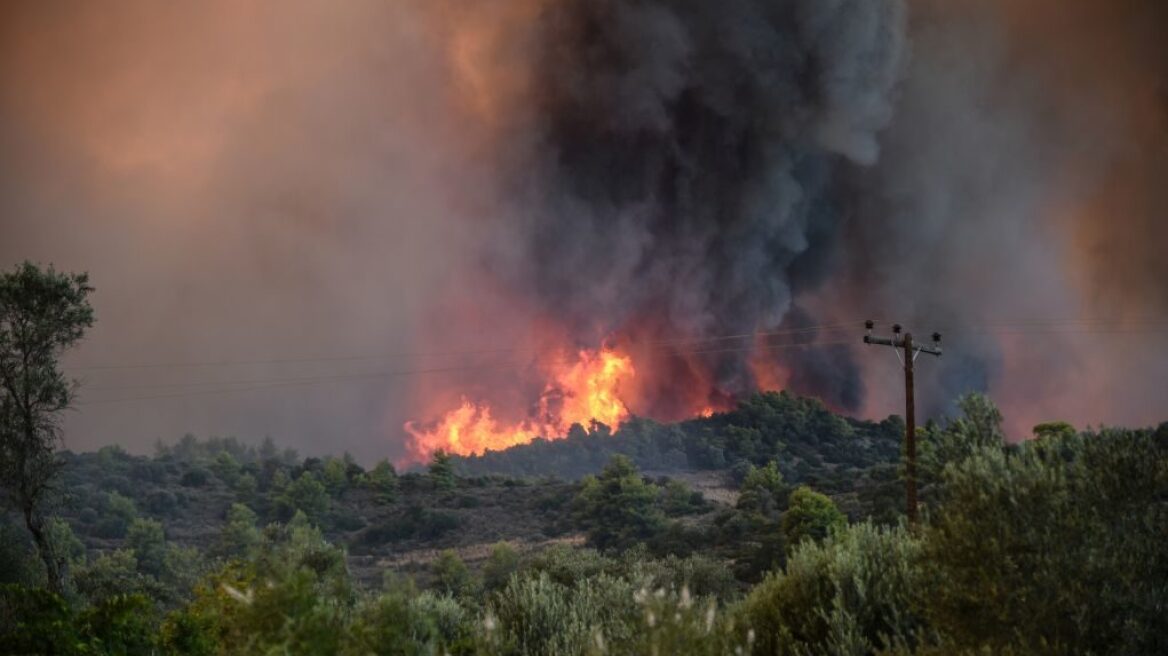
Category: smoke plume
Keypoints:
(352, 215)
(688, 159)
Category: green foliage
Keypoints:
(451, 575)
(540, 616)
(42, 313)
(618, 508)
(763, 491)
(801, 434)
(851, 594)
(246, 488)
(117, 515)
(36, 621)
(675, 622)
(1054, 430)
(414, 522)
(401, 621)
(1056, 546)
(810, 516)
(753, 529)
(17, 559)
(979, 427)
(196, 477)
(64, 542)
(239, 538)
(1051, 546)
(678, 499)
(113, 573)
(442, 471)
(226, 468)
(500, 565)
(306, 494)
(147, 541)
(294, 597)
(335, 477)
(382, 480)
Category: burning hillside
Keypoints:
(587, 389)
(689, 186)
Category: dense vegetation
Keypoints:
(807, 440)
(214, 547)
(1052, 546)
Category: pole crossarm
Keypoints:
(904, 341)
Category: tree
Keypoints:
(382, 479)
(42, 313)
(618, 508)
(754, 527)
(239, 537)
(1063, 536)
(306, 494)
(500, 565)
(335, 477)
(763, 491)
(147, 541)
(442, 471)
(1054, 430)
(810, 516)
(451, 575)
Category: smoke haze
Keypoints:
(250, 182)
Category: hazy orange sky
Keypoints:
(251, 181)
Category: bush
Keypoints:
(146, 539)
(35, 621)
(161, 502)
(539, 616)
(451, 575)
(415, 522)
(195, 477)
(853, 594)
(618, 508)
(502, 563)
(810, 516)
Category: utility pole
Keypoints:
(911, 351)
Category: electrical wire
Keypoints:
(276, 383)
(1035, 327)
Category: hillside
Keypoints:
(521, 496)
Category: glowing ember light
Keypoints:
(706, 412)
(584, 391)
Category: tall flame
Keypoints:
(585, 390)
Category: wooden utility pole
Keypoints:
(911, 352)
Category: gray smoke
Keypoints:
(690, 157)
(249, 183)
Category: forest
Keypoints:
(776, 528)
(212, 546)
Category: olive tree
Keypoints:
(42, 313)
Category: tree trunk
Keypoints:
(54, 568)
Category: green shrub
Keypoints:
(853, 593)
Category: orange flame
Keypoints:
(584, 391)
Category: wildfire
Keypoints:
(585, 390)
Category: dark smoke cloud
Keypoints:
(250, 181)
(690, 155)
(1015, 184)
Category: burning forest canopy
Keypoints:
(403, 227)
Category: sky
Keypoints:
(306, 220)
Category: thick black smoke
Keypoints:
(691, 154)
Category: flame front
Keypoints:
(585, 390)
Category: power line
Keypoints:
(911, 351)
(665, 343)
(1057, 325)
(290, 382)
(1024, 328)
